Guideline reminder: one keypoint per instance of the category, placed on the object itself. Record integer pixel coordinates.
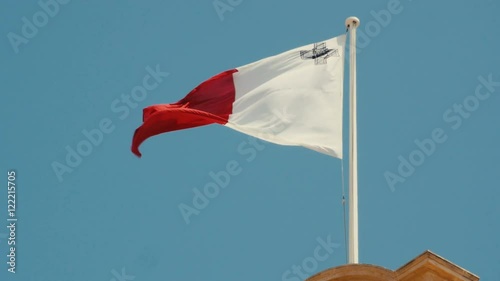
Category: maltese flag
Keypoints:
(294, 98)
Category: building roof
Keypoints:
(427, 266)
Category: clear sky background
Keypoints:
(116, 214)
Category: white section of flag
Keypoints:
(289, 99)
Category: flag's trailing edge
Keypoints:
(294, 98)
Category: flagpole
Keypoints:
(352, 23)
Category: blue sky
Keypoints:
(423, 78)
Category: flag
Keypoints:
(293, 98)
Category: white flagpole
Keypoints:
(352, 23)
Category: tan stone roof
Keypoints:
(426, 267)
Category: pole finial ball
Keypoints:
(352, 21)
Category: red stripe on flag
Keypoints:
(211, 102)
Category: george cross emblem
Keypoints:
(320, 53)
